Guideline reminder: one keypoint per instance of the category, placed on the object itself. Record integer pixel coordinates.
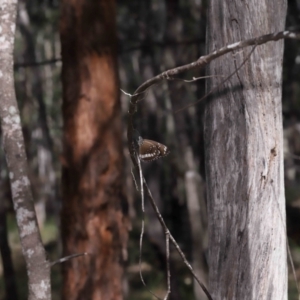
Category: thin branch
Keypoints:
(193, 79)
(64, 259)
(164, 226)
(200, 63)
(142, 179)
(36, 63)
(142, 45)
(168, 264)
(134, 180)
(143, 228)
(142, 186)
(140, 259)
(127, 94)
(219, 85)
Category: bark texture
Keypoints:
(244, 155)
(37, 266)
(93, 209)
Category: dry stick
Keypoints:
(194, 78)
(143, 227)
(201, 62)
(142, 179)
(171, 79)
(168, 233)
(168, 264)
(143, 220)
(168, 237)
(219, 85)
(140, 260)
(135, 183)
(64, 259)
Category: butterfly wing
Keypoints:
(150, 150)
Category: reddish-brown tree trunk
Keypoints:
(93, 218)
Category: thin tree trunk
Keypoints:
(244, 155)
(38, 268)
(94, 205)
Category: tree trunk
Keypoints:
(94, 203)
(38, 268)
(244, 155)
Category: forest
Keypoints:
(149, 149)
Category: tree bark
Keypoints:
(37, 266)
(94, 205)
(244, 155)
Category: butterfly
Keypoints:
(150, 150)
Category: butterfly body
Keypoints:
(150, 150)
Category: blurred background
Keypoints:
(153, 36)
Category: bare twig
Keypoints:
(64, 259)
(193, 79)
(143, 228)
(36, 63)
(218, 86)
(134, 180)
(140, 259)
(167, 232)
(142, 186)
(201, 62)
(140, 46)
(168, 264)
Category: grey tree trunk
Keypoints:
(244, 155)
(37, 266)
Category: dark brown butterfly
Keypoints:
(151, 150)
